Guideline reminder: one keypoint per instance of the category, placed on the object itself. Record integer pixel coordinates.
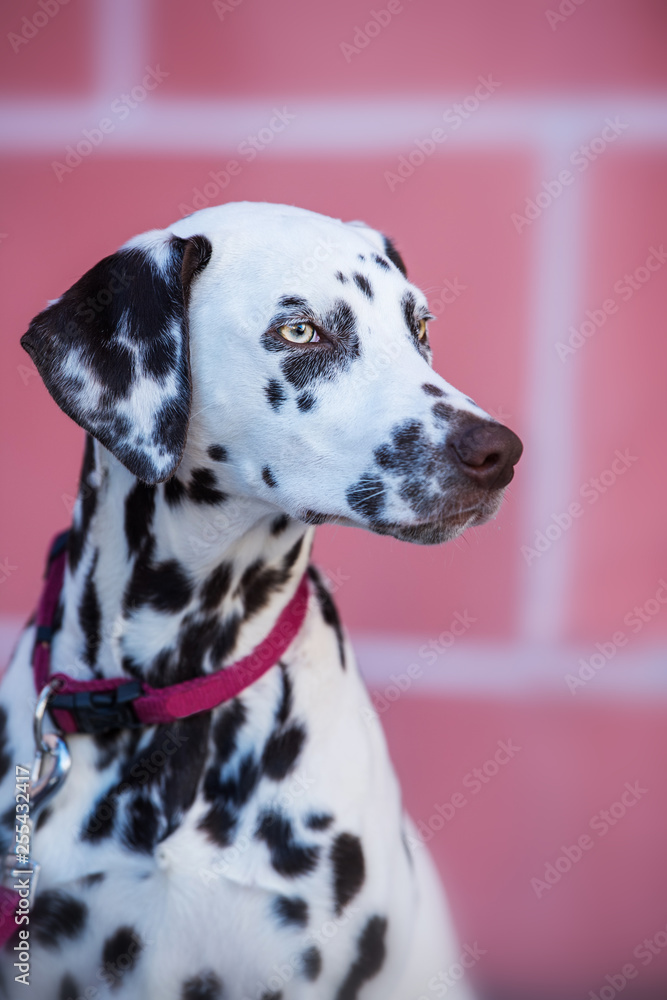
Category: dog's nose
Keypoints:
(485, 453)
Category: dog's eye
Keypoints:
(299, 333)
(422, 328)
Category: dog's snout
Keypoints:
(485, 453)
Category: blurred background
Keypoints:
(516, 153)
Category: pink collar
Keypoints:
(116, 703)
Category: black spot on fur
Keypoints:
(361, 256)
(287, 856)
(311, 963)
(78, 533)
(367, 496)
(139, 512)
(202, 487)
(5, 757)
(394, 256)
(275, 393)
(197, 639)
(413, 457)
(291, 910)
(293, 554)
(287, 697)
(443, 410)
(236, 789)
(56, 915)
(93, 879)
(226, 730)
(341, 277)
(90, 616)
(218, 824)
(319, 821)
(259, 582)
(381, 261)
(268, 477)
(140, 830)
(69, 988)
(279, 525)
(120, 954)
(314, 517)
(164, 586)
(371, 952)
(174, 491)
(305, 401)
(43, 817)
(226, 796)
(293, 302)
(364, 284)
(329, 611)
(205, 986)
(433, 390)
(215, 586)
(217, 453)
(172, 762)
(282, 750)
(408, 305)
(320, 362)
(100, 822)
(134, 329)
(349, 869)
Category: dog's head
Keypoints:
(292, 349)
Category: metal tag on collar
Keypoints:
(18, 872)
(52, 758)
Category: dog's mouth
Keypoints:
(443, 525)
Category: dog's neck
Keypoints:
(169, 582)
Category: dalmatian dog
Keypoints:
(243, 375)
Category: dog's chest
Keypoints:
(259, 835)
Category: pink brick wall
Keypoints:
(557, 78)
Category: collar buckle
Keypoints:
(100, 711)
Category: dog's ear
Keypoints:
(113, 350)
(382, 244)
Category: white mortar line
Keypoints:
(548, 470)
(121, 46)
(332, 127)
